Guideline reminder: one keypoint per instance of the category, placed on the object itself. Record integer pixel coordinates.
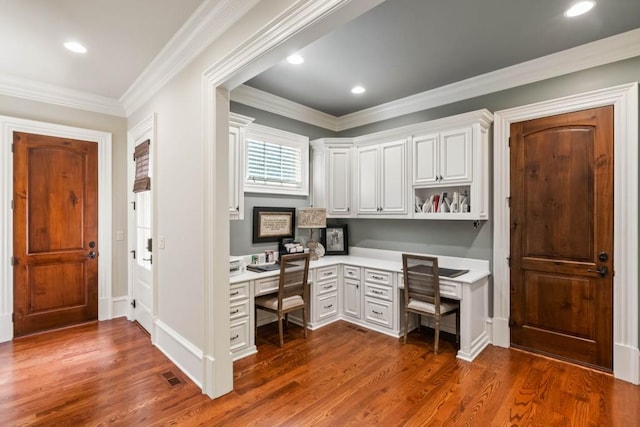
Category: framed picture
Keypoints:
(272, 224)
(335, 239)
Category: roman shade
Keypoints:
(141, 157)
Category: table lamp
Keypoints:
(313, 218)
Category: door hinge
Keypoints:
(134, 205)
(509, 201)
(14, 261)
(12, 205)
(13, 317)
(133, 303)
(13, 146)
(509, 142)
(509, 261)
(512, 322)
(133, 252)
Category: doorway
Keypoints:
(55, 230)
(562, 236)
(103, 140)
(624, 98)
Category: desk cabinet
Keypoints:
(241, 315)
(324, 305)
(352, 292)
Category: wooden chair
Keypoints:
(422, 294)
(292, 292)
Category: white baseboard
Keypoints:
(6, 327)
(186, 356)
(119, 307)
(500, 335)
(626, 363)
(104, 308)
(479, 344)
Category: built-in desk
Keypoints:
(365, 288)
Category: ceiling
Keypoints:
(122, 37)
(403, 47)
(399, 48)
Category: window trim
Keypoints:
(276, 136)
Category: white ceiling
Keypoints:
(399, 48)
(123, 37)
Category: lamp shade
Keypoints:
(312, 218)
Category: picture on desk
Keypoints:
(335, 239)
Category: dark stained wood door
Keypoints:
(562, 236)
(55, 232)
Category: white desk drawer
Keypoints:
(379, 277)
(450, 289)
(351, 272)
(239, 291)
(326, 306)
(239, 335)
(239, 310)
(267, 285)
(325, 287)
(378, 312)
(326, 273)
(378, 291)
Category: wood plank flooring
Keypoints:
(341, 375)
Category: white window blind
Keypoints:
(276, 161)
(272, 163)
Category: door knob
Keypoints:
(91, 255)
(602, 271)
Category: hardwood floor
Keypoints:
(108, 373)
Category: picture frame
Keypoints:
(335, 239)
(271, 224)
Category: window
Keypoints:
(276, 161)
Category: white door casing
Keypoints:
(624, 98)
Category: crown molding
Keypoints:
(262, 100)
(51, 94)
(605, 51)
(207, 23)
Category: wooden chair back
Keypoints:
(421, 280)
(294, 273)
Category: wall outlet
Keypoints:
(119, 235)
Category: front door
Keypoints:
(562, 236)
(55, 232)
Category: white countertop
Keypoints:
(384, 260)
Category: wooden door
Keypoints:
(55, 232)
(562, 236)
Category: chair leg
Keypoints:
(280, 330)
(406, 325)
(437, 339)
(304, 321)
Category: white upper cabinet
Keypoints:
(331, 176)
(444, 157)
(382, 179)
(237, 127)
(425, 159)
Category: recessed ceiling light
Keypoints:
(358, 90)
(75, 47)
(295, 59)
(579, 8)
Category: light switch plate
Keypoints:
(119, 235)
(161, 242)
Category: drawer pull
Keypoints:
(233, 294)
(237, 310)
(377, 312)
(377, 277)
(327, 287)
(328, 273)
(328, 306)
(377, 292)
(235, 338)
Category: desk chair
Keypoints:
(422, 294)
(292, 292)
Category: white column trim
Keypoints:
(9, 125)
(624, 98)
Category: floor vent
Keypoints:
(171, 378)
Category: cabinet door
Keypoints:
(339, 177)
(368, 180)
(352, 299)
(455, 155)
(425, 159)
(235, 172)
(393, 177)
